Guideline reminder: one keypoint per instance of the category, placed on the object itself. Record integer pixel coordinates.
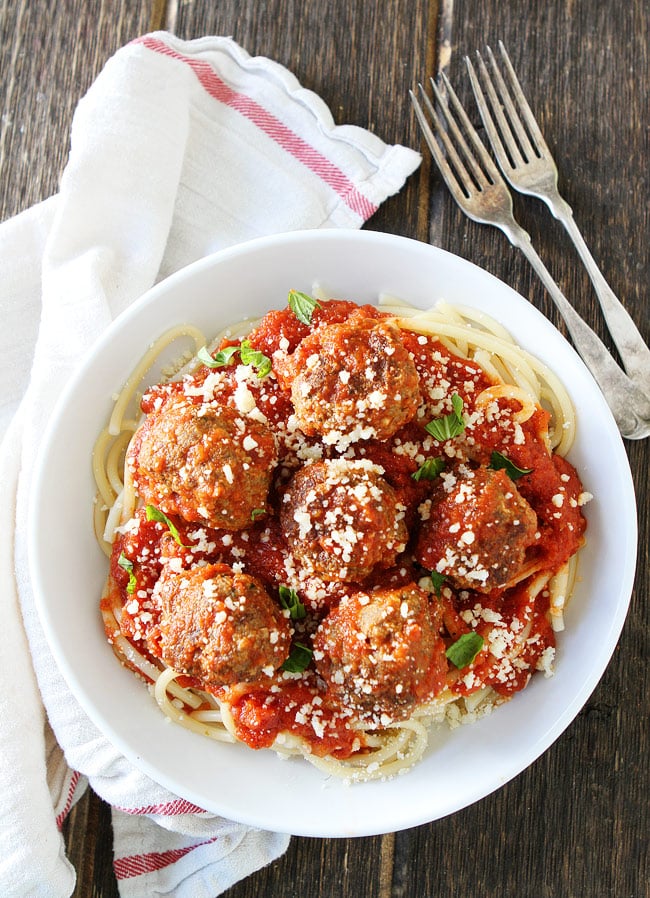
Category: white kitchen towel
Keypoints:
(177, 150)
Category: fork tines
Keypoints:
(511, 126)
(465, 164)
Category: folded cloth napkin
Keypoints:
(177, 150)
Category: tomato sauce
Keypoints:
(261, 715)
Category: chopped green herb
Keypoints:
(298, 659)
(462, 652)
(497, 461)
(450, 425)
(430, 469)
(302, 306)
(257, 513)
(254, 357)
(249, 356)
(438, 580)
(127, 565)
(155, 514)
(289, 600)
(223, 357)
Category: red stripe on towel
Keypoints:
(140, 864)
(72, 786)
(272, 127)
(168, 809)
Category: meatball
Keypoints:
(211, 465)
(341, 519)
(219, 626)
(353, 380)
(478, 529)
(381, 653)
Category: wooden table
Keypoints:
(574, 825)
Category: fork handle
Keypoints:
(632, 348)
(630, 406)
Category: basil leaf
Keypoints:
(155, 514)
(438, 581)
(302, 306)
(289, 600)
(450, 425)
(127, 565)
(462, 652)
(498, 461)
(249, 356)
(223, 357)
(429, 470)
(298, 659)
(256, 358)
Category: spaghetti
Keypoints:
(340, 525)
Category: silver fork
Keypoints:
(527, 163)
(481, 192)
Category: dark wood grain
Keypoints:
(50, 54)
(575, 824)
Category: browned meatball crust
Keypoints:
(211, 465)
(353, 380)
(341, 519)
(220, 626)
(380, 652)
(478, 527)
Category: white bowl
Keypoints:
(258, 788)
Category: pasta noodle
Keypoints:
(508, 378)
